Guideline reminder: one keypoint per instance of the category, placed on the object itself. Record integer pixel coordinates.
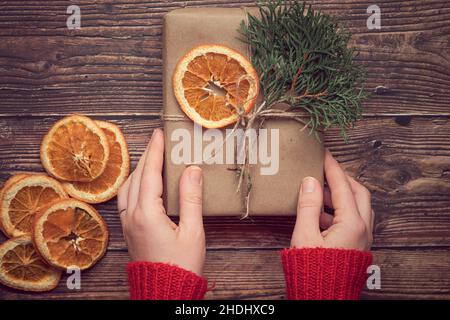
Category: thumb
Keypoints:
(191, 183)
(309, 209)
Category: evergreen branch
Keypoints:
(303, 59)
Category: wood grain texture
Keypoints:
(405, 167)
(112, 69)
(113, 63)
(248, 274)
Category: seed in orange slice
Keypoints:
(70, 233)
(212, 82)
(22, 268)
(22, 197)
(116, 172)
(75, 149)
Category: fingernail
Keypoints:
(308, 185)
(195, 175)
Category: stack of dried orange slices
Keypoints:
(49, 231)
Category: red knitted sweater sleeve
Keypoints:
(325, 274)
(161, 281)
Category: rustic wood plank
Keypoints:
(404, 162)
(113, 64)
(249, 274)
(111, 68)
(137, 14)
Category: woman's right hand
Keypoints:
(351, 225)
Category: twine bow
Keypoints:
(246, 121)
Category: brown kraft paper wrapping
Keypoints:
(300, 154)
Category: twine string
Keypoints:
(245, 121)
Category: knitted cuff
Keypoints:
(325, 274)
(161, 281)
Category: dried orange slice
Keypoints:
(116, 172)
(8, 182)
(22, 197)
(70, 233)
(212, 82)
(75, 149)
(22, 268)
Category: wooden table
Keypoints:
(111, 69)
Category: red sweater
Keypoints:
(312, 274)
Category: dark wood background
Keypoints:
(111, 69)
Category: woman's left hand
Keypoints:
(149, 233)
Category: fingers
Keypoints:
(191, 190)
(135, 181)
(309, 208)
(341, 192)
(122, 195)
(363, 202)
(151, 184)
(122, 198)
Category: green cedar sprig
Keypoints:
(303, 59)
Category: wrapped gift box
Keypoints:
(300, 153)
